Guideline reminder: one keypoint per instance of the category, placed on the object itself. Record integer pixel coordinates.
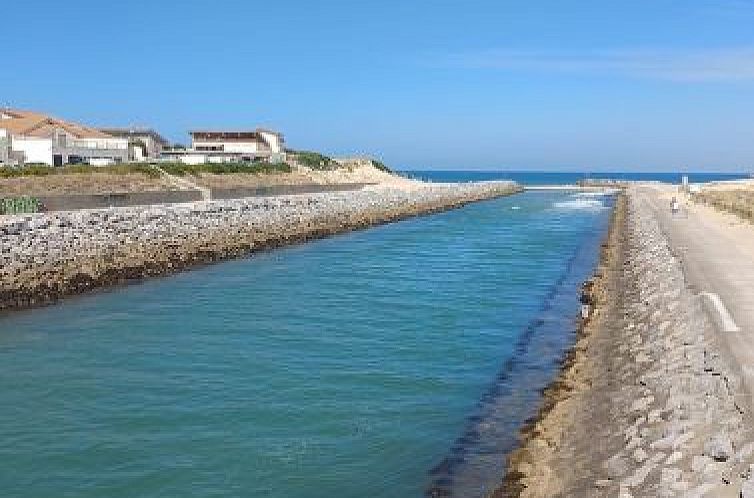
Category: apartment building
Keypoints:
(219, 146)
(32, 137)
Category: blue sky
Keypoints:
(655, 85)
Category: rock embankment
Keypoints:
(45, 257)
(648, 403)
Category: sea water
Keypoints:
(561, 178)
(397, 361)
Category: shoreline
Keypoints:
(594, 295)
(70, 253)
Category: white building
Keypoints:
(37, 138)
(231, 146)
(4, 147)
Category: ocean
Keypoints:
(397, 361)
(565, 178)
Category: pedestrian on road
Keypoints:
(674, 206)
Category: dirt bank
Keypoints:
(732, 197)
(135, 181)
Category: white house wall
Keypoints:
(193, 159)
(4, 146)
(274, 140)
(35, 150)
(101, 161)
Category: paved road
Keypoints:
(717, 252)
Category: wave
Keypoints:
(589, 195)
(580, 204)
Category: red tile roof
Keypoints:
(33, 124)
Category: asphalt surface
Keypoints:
(717, 254)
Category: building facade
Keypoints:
(144, 144)
(38, 138)
(231, 146)
(4, 147)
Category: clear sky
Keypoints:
(469, 84)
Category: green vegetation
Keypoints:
(256, 168)
(19, 205)
(178, 169)
(315, 160)
(77, 169)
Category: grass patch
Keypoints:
(315, 160)
(179, 169)
(255, 168)
(77, 169)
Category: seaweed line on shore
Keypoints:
(480, 427)
(594, 295)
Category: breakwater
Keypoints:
(647, 403)
(45, 257)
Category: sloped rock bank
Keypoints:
(647, 403)
(46, 257)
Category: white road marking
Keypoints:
(728, 324)
(748, 371)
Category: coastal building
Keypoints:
(231, 146)
(144, 144)
(4, 147)
(38, 138)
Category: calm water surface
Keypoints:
(380, 363)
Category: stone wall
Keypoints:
(237, 193)
(70, 202)
(97, 201)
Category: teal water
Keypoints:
(360, 365)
